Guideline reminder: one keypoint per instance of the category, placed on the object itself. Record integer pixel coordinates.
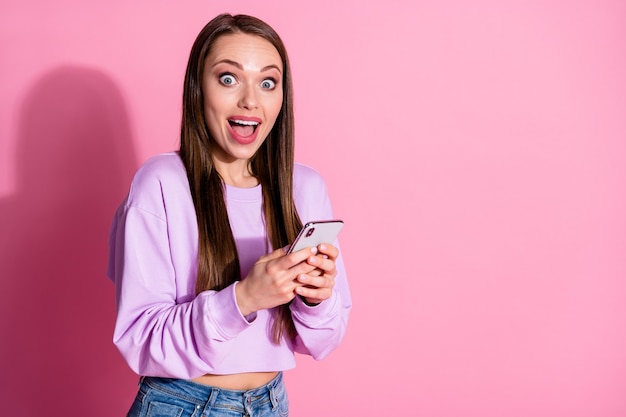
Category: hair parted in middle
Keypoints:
(272, 164)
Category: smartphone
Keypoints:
(315, 233)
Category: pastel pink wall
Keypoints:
(476, 151)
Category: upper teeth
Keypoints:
(245, 122)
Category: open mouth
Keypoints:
(243, 128)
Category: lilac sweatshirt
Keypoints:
(162, 327)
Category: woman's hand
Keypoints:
(272, 281)
(318, 284)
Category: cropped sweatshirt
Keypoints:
(162, 327)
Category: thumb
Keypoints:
(280, 252)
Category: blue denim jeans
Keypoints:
(163, 397)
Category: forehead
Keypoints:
(248, 50)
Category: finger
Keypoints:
(280, 260)
(328, 250)
(296, 258)
(313, 281)
(313, 250)
(314, 295)
(276, 254)
(327, 265)
(316, 272)
(304, 268)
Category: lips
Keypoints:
(243, 129)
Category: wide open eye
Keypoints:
(228, 79)
(268, 84)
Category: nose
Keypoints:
(248, 99)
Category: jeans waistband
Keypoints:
(200, 393)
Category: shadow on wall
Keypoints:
(75, 161)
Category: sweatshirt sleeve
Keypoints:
(156, 332)
(321, 328)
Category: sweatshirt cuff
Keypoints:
(228, 320)
(317, 312)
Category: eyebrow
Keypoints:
(238, 65)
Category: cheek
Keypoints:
(214, 107)
(211, 118)
(209, 113)
(276, 106)
(214, 102)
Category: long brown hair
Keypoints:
(218, 261)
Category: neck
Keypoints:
(236, 174)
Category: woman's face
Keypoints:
(243, 94)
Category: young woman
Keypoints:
(210, 307)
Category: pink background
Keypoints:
(476, 151)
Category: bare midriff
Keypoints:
(241, 382)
